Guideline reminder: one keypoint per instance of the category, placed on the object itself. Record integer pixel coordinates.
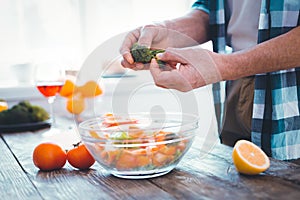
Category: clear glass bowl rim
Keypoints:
(85, 124)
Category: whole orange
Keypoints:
(90, 89)
(80, 158)
(49, 156)
(76, 104)
(67, 89)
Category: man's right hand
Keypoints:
(154, 36)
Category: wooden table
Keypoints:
(200, 175)
(212, 176)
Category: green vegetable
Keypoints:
(23, 112)
(120, 136)
(144, 54)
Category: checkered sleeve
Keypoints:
(215, 9)
(201, 5)
(276, 109)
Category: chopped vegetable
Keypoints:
(115, 121)
(119, 136)
(144, 54)
(137, 149)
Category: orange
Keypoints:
(67, 89)
(95, 135)
(90, 89)
(49, 156)
(108, 115)
(160, 159)
(168, 150)
(80, 158)
(126, 160)
(135, 132)
(249, 159)
(143, 160)
(76, 104)
(3, 105)
(109, 156)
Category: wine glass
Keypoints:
(49, 79)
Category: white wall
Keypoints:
(70, 29)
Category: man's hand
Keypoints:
(190, 29)
(199, 67)
(154, 36)
(192, 67)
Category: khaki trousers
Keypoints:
(238, 111)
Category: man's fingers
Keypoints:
(160, 77)
(126, 64)
(154, 69)
(146, 36)
(172, 56)
(128, 57)
(130, 39)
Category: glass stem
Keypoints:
(51, 101)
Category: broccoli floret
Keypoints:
(17, 114)
(143, 54)
(25, 104)
(38, 114)
(23, 112)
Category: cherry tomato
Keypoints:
(49, 156)
(80, 158)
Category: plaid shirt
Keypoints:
(276, 110)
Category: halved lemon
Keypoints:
(249, 159)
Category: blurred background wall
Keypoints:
(69, 30)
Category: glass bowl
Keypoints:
(142, 145)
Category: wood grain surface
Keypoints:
(200, 175)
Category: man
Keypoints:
(262, 79)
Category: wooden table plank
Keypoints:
(14, 183)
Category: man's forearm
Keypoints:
(282, 52)
(194, 24)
